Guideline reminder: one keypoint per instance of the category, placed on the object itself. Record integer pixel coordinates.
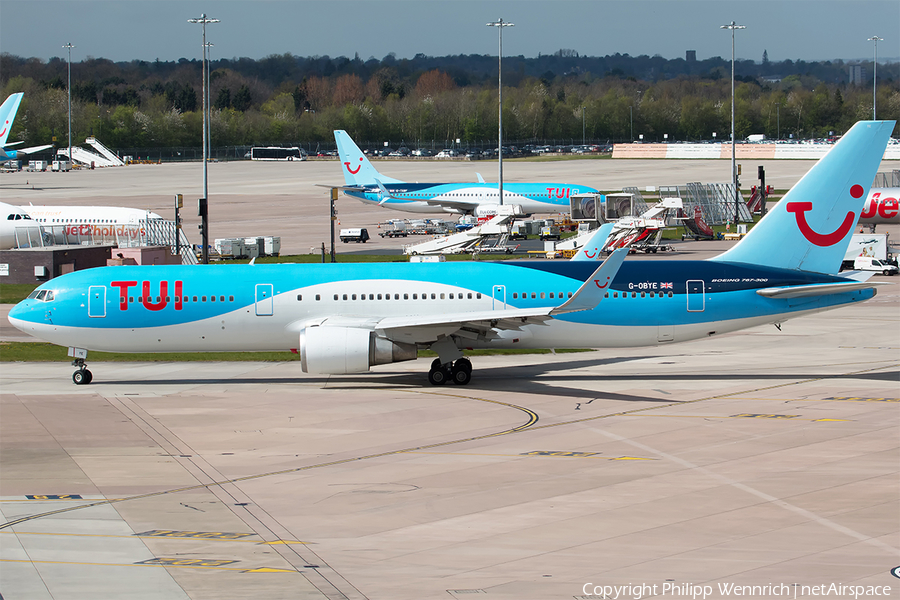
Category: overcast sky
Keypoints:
(158, 29)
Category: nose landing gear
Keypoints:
(82, 376)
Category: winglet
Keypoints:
(594, 289)
(385, 194)
(595, 244)
(480, 178)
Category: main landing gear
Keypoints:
(458, 371)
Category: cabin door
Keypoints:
(264, 301)
(696, 296)
(97, 301)
(499, 297)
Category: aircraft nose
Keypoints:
(18, 314)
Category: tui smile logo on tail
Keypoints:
(826, 239)
(352, 172)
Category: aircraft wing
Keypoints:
(33, 149)
(463, 205)
(485, 323)
(816, 289)
(346, 188)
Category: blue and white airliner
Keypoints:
(365, 183)
(8, 111)
(345, 318)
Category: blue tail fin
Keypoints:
(593, 248)
(8, 114)
(357, 168)
(810, 228)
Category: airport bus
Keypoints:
(272, 153)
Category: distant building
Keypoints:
(857, 74)
(690, 56)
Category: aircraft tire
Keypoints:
(81, 377)
(461, 376)
(463, 363)
(438, 376)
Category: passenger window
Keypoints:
(442, 296)
(212, 298)
(634, 294)
(299, 297)
(318, 297)
(643, 294)
(606, 295)
(203, 298)
(406, 296)
(335, 296)
(615, 294)
(415, 296)
(515, 295)
(551, 295)
(396, 296)
(570, 294)
(379, 297)
(231, 298)
(470, 295)
(533, 295)
(542, 295)
(353, 297)
(451, 295)
(195, 299)
(652, 295)
(670, 294)
(478, 295)
(345, 296)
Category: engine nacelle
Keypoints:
(338, 350)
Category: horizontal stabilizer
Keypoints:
(819, 289)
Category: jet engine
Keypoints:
(338, 350)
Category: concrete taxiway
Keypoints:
(757, 458)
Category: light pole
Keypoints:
(204, 226)
(875, 39)
(500, 24)
(734, 181)
(631, 120)
(69, 47)
(582, 126)
(207, 46)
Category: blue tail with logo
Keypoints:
(356, 167)
(8, 114)
(810, 228)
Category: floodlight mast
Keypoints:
(203, 20)
(500, 24)
(734, 180)
(69, 47)
(875, 39)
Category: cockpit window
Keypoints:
(43, 295)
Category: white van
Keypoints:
(868, 263)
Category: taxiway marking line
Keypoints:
(167, 566)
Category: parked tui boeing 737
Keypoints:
(344, 318)
(365, 183)
(8, 111)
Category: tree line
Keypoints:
(290, 100)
